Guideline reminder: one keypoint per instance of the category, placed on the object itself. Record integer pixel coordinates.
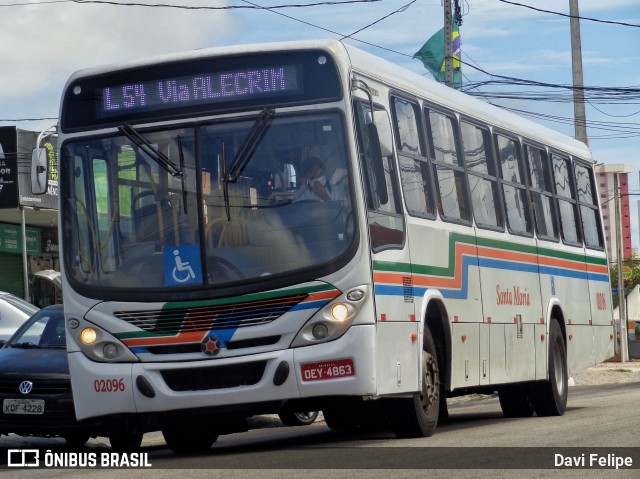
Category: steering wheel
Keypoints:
(218, 266)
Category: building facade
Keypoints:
(605, 184)
(35, 215)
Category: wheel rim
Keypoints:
(430, 382)
(559, 372)
(306, 416)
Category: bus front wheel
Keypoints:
(184, 436)
(418, 416)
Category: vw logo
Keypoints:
(25, 387)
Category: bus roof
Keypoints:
(439, 94)
(387, 73)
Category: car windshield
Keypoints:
(46, 330)
(224, 203)
(19, 303)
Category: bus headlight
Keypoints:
(340, 311)
(333, 320)
(88, 336)
(97, 344)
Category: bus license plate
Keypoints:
(23, 406)
(337, 368)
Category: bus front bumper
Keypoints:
(344, 367)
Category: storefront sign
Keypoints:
(11, 239)
(8, 168)
(27, 142)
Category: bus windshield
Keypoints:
(206, 205)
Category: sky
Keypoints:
(45, 41)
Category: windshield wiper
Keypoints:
(153, 153)
(249, 146)
(184, 190)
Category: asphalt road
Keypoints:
(477, 441)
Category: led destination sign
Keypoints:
(193, 87)
(203, 88)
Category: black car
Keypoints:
(35, 386)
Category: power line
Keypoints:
(610, 22)
(188, 7)
(399, 10)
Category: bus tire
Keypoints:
(183, 436)
(515, 401)
(297, 418)
(339, 418)
(126, 434)
(418, 416)
(127, 440)
(76, 439)
(550, 397)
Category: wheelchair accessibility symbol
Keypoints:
(182, 265)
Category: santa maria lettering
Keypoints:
(512, 295)
(201, 88)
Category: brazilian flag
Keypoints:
(432, 55)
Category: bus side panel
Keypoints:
(399, 350)
(443, 257)
(601, 305)
(511, 299)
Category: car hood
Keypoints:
(33, 362)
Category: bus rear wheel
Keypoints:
(418, 416)
(549, 397)
(515, 401)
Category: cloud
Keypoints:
(50, 41)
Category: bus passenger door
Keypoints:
(398, 351)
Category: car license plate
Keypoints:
(338, 368)
(23, 406)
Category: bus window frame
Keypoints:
(573, 200)
(525, 144)
(491, 158)
(357, 105)
(521, 186)
(423, 156)
(426, 108)
(596, 206)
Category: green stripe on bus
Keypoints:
(487, 243)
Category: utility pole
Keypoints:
(622, 306)
(448, 44)
(580, 117)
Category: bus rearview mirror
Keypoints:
(39, 171)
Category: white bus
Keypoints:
(304, 226)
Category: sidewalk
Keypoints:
(611, 371)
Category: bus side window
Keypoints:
(541, 193)
(567, 206)
(591, 227)
(513, 186)
(386, 224)
(483, 185)
(449, 167)
(415, 171)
